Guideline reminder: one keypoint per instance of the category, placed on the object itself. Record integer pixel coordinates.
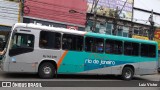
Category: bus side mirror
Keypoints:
(13, 34)
(1, 57)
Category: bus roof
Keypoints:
(120, 38)
(47, 28)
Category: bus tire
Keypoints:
(127, 73)
(46, 70)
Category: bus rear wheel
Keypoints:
(127, 73)
(46, 70)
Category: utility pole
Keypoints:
(132, 24)
(116, 17)
(152, 30)
(95, 15)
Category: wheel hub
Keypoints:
(128, 74)
(47, 70)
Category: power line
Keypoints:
(122, 7)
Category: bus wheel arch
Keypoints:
(127, 72)
(47, 69)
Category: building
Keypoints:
(106, 13)
(9, 14)
(142, 11)
(127, 18)
(132, 20)
(58, 13)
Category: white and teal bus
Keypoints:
(49, 51)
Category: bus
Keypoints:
(49, 51)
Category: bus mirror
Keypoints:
(13, 35)
(0, 57)
(14, 32)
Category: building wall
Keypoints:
(9, 12)
(107, 27)
(9, 15)
(57, 11)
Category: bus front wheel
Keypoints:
(46, 70)
(127, 73)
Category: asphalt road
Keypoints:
(69, 77)
(34, 77)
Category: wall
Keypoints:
(57, 10)
(9, 13)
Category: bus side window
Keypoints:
(118, 47)
(67, 43)
(148, 50)
(109, 46)
(128, 48)
(94, 44)
(131, 49)
(113, 47)
(49, 40)
(43, 43)
(72, 42)
(135, 51)
(88, 44)
(152, 49)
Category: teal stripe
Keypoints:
(75, 62)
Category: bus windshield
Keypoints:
(21, 40)
(21, 43)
